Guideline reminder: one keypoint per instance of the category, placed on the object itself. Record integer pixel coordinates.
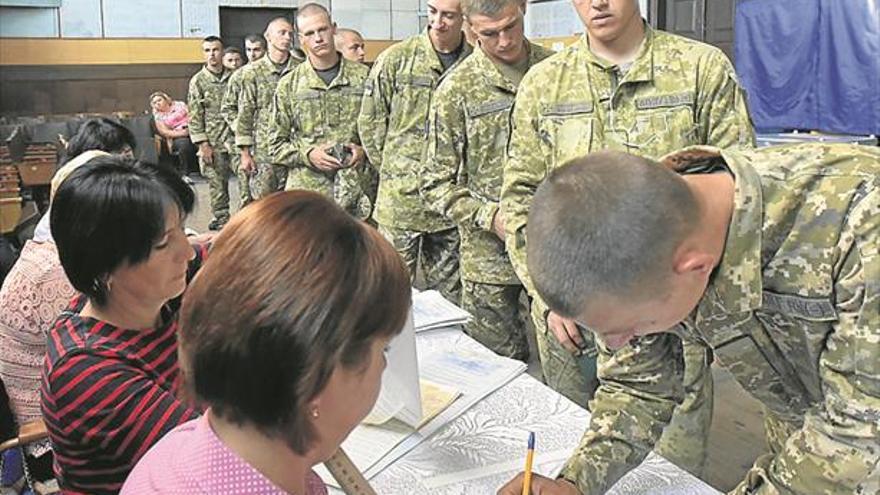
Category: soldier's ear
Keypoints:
(692, 261)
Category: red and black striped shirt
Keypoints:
(108, 394)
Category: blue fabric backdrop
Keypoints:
(811, 64)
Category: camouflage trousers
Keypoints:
(267, 180)
(218, 174)
(497, 322)
(685, 439)
(438, 252)
(244, 188)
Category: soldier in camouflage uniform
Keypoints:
(208, 129)
(255, 48)
(255, 108)
(316, 108)
(661, 93)
(771, 257)
(467, 141)
(393, 128)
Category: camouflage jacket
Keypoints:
(307, 112)
(678, 92)
(392, 125)
(792, 311)
(255, 105)
(467, 144)
(229, 107)
(206, 123)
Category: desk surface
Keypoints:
(484, 447)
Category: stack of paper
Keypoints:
(431, 311)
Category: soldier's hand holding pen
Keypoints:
(322, 160)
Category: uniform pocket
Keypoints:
(568, 129)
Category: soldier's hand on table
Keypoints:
(566, 332)
(540, 486)
(247, 162)
(498, 224)
(358, 155)
(206, 152)
(321, 160)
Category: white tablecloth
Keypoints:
(484, 447)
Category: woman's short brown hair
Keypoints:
(294, 287)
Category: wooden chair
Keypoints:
(28, 433)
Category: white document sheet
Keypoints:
(432, 311)
(400, 397)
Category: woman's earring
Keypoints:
(315, 413)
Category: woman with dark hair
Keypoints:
(111, 364)
(282, 338)
(101, 134)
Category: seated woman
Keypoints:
(36, 290)
(109, 377)
(172, 123)
(282, 339)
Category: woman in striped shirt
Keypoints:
(108, 390)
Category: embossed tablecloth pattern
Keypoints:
(484, 447)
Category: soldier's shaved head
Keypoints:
(488, 8)
(311, 9)
(351, 44)
(278, 20)
(606, 224)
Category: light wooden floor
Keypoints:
(737, 434)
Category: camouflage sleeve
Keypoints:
(195, 102)
(376, 108)
(229, 107)
(640, 385)
(285, 147)
(523, 172)
(247, 111)
(722, 111)
(440, 176)
(837, 449)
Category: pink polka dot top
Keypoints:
(190, 459)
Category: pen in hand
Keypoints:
(527, 474)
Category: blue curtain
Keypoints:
(811, 64)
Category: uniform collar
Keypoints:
(490, 71)
(273, 68)
(221, 77)
(736, 285)
(643, 66)
(315, 82)
(431, 54)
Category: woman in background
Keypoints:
(282, 340)
(172, 123)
